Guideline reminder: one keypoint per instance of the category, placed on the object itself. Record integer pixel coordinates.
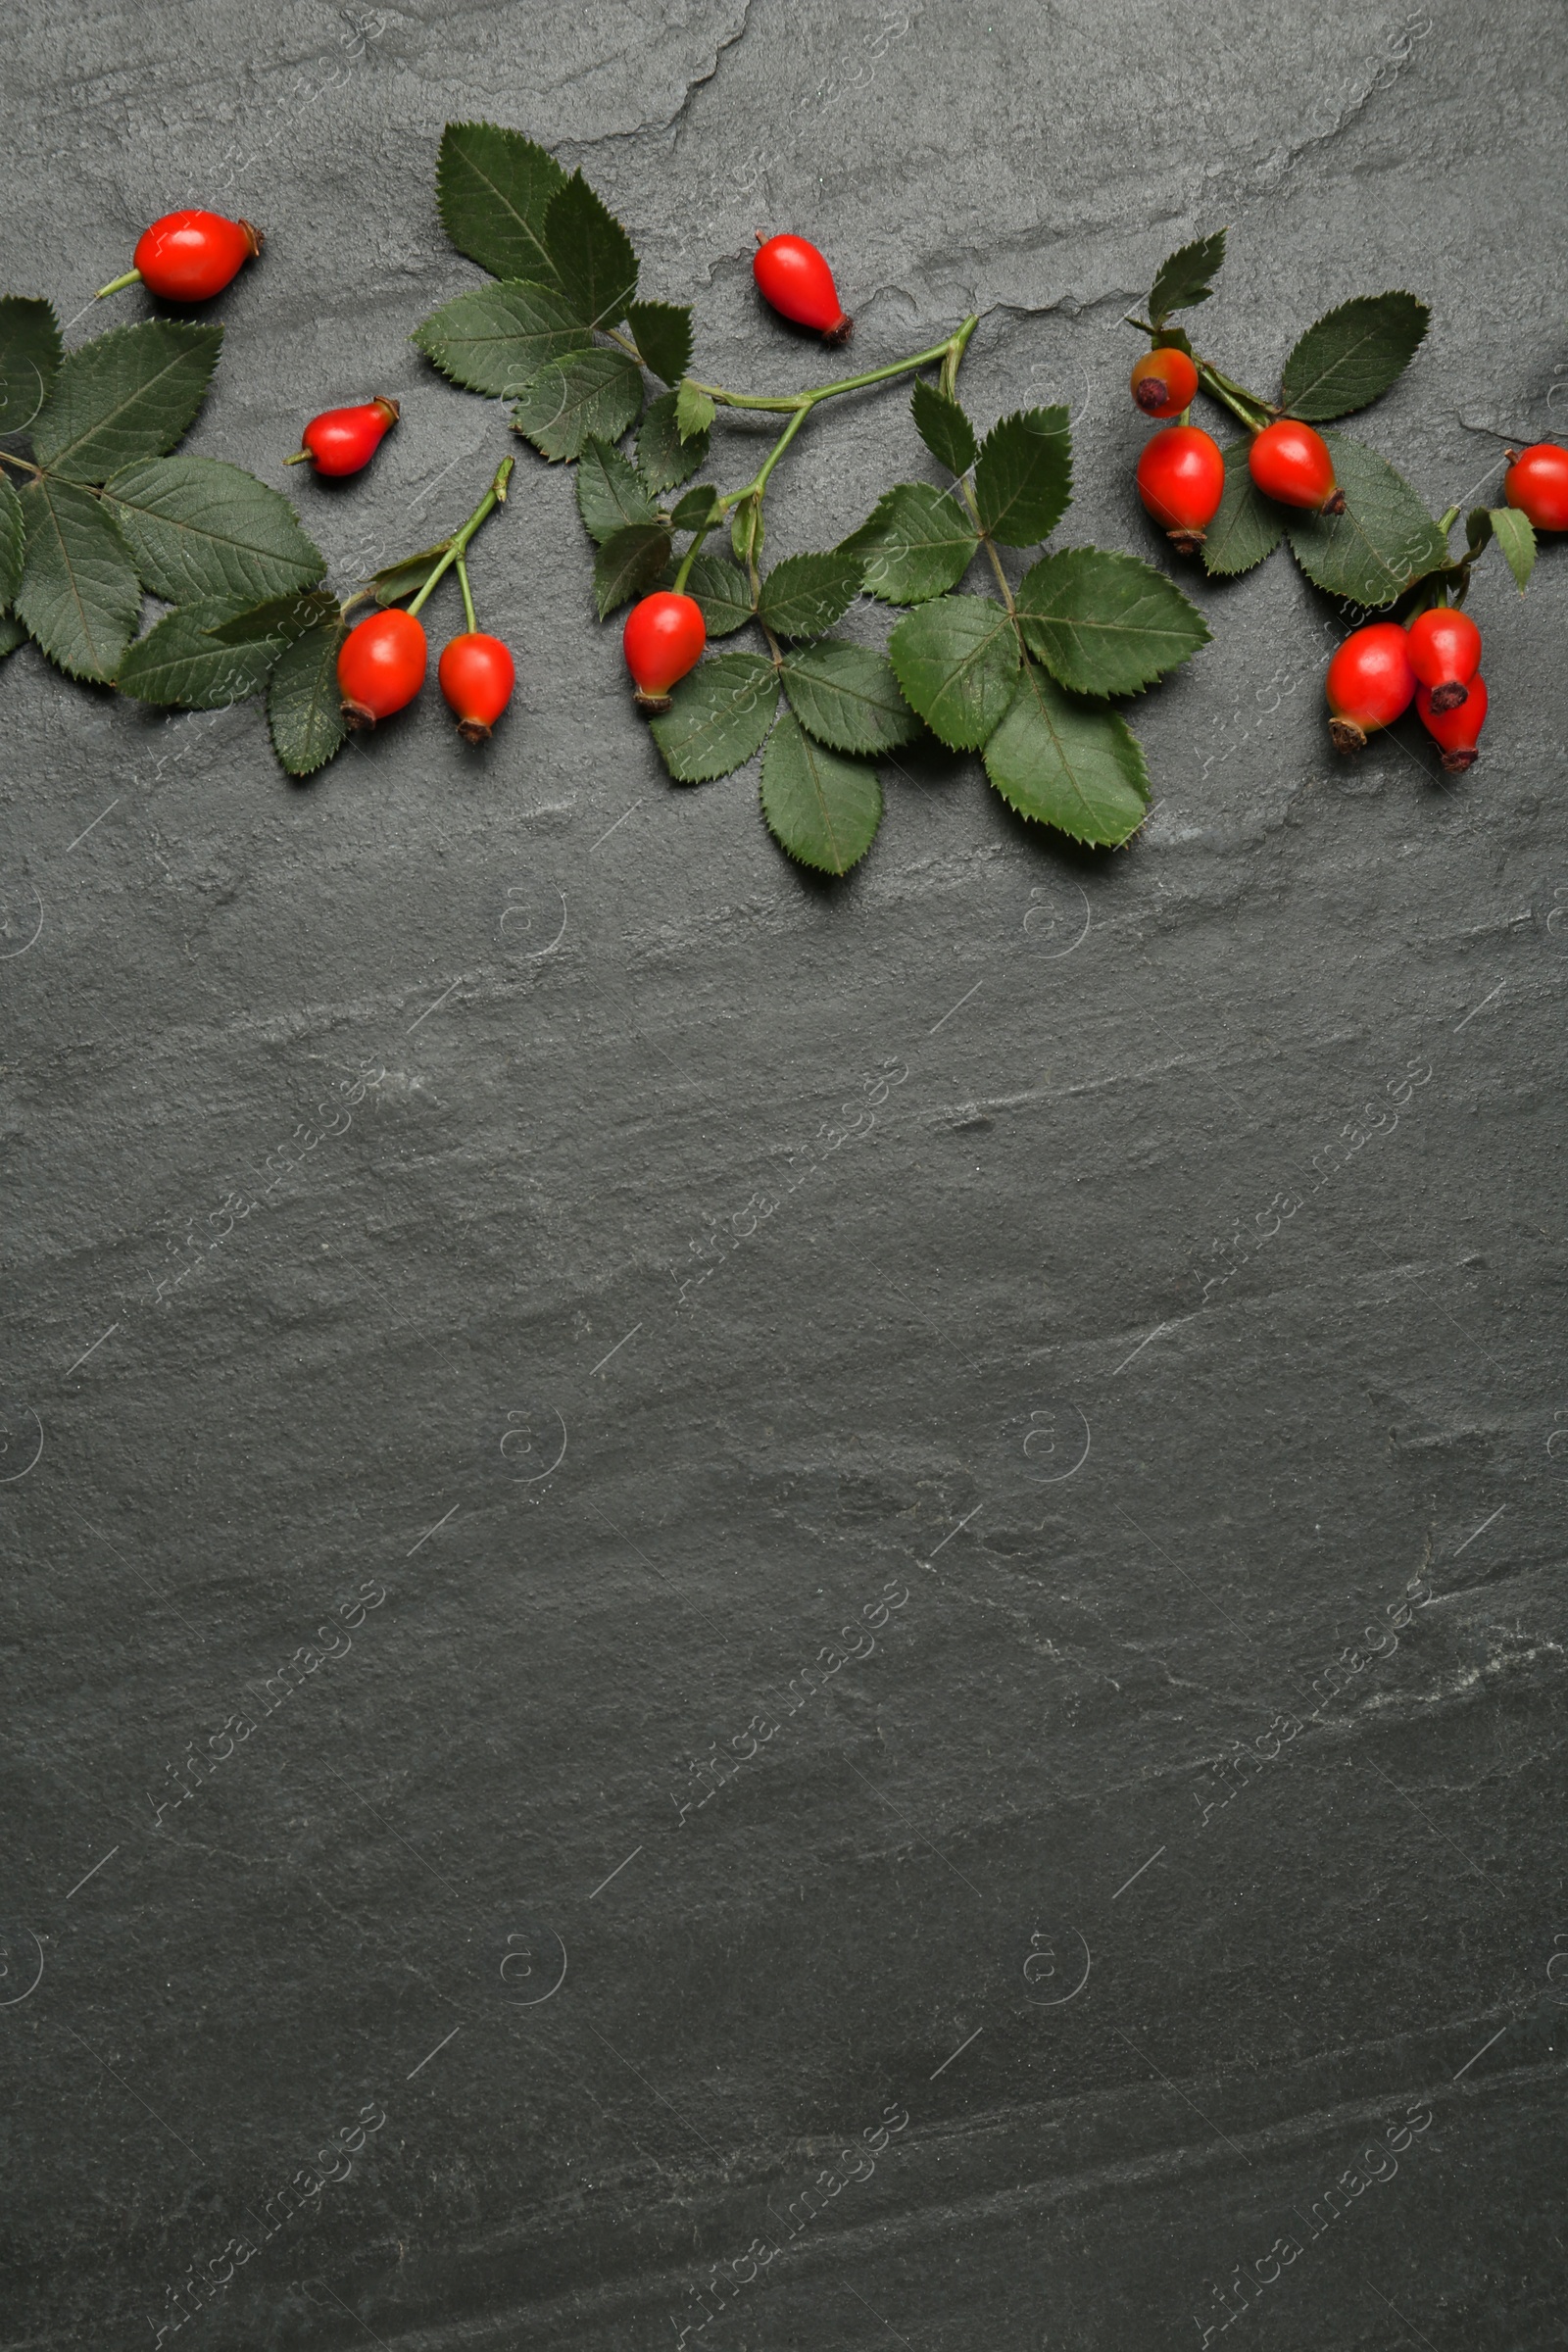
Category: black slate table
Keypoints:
(1132, 1907)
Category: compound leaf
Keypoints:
(719, 716)
(304, 707)
(944, 427)
(1070, 763)
(1247, 525)
(825, 809)
(592, 393)
(847, 696)
(31, 353)
(805, 595)
(494, 187)
(609, 495)
(665, 458)
(1383, 541)
(495, 339)
(79, 597)
(1351, 355)
(662, 333)
(127, 395)
(917, 542)
(1023, 475)
(1186, 277)
(958, 663)
(1106, 623)
(591, 253)
(200, 529)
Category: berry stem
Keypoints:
(117, 285)
(467, 597)
(1254, 413)
(494, 497)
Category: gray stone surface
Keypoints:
(518, 1349)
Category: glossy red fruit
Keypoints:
(478, 674)
(1456, 730)
(1291, 463)
(1369, 683)
(1181, 481)
(663, 638)
(795, 278)
(1444, 650)
(342, 440)
(190, 256)
(1164, 382)
(1536, 483)
(381, 665)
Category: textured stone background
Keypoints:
(1134, 1519)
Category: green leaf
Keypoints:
(1246, 526)
(719, 588)
(304, 708)
(13, 536)
(805, 595)
(1074, 764)
(847, 696)
(662, 333)
(694, 510)
(494, 187)
(596, 392)
(281, 619)
(127, 395)
(719, 716)
(663, 458)
(495, 339)
(79, 597)
(1351, 355)
(1105, 623)
(1186, 277)
(198, 529)
(407, 575)
(12, 634)
(694, 412)
(944, 427)
(1517, 539)
(1023, 476)
(823, 809)
(917, 542)
(181, 661)
(1383, 541)
(592, 254)
(630, 560)
(29, 357)
(609, 494)
(957, 664)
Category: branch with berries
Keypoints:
(1355, 525)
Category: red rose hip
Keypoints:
(1456, 731)
(476, 674)
(1163, 382)
(381, 666)
(792, 277)
(1181, 481)
(189, 257)
(663, 638)
(342, 440)
(1536, 483)
(1444, 650)
(1369, 684)
(1292, 464)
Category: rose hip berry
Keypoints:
(342, 440)
(1292, 464)
(477, 675)
(1536, 483)
(1163, 382)
(1369, 684)
(794, 277)
(663, 638)
(1444, 650)
(381, 666)
(189, 257)
(1181, 481)
(1456, 730)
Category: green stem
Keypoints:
(1251, 411)
(695, 549)
(117, 285)
(966, 493)
(494, 497)
(783, 402)
(9, 458)
(467, 597)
